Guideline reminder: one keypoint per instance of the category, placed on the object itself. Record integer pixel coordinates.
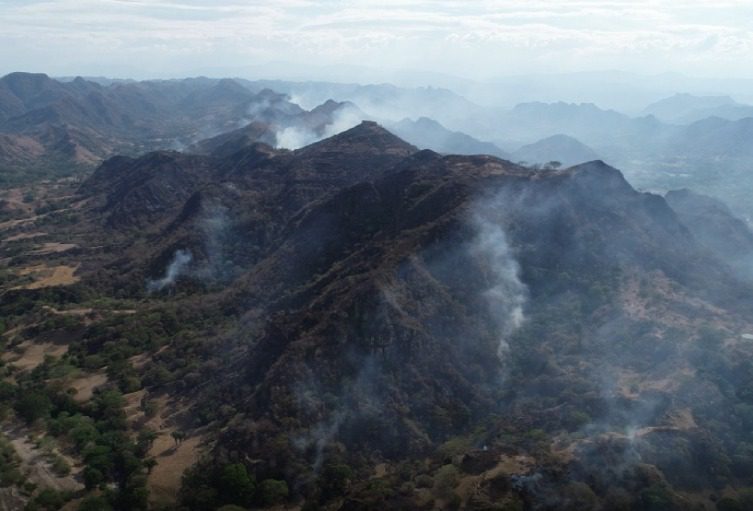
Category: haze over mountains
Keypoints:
(223, 293)
(683, 141)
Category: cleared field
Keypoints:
(46, 276)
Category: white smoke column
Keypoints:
(180, 260)
(295, 137)
(507, 295)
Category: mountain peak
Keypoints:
(600, 178)
(368, 137)
(563, 148)
(24, 85)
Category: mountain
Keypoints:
(567, 150)
(227, 143)
(429, 134)
(360, 324)
(715, 138)
(74, 125)
(391, 103)
(55, 128)
(679, 108)
(585, 121)
(712, 223)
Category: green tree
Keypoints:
(33, 405)
(92, 477)
(235, 485)
(149, 464)
(273, 491)
(95, 503)
(335, 480)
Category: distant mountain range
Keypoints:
(561, 148)
(50, 127)
(687, 109)
(429, 134)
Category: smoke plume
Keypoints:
(507, 294)
(181, 259)
(295, 137)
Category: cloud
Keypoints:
(471, 38)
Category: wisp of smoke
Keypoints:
(181, 259)
(508, 294)
(323, 434)
(295, 137)
(360, 398)
(215, 226)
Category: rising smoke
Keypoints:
(360, 399)
(180, 261)
(297, 136)
(215, 226)
(507, 294)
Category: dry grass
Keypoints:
(25, 236)
(15, 223)
(35, 464)
(507, 465)
(53, 248)
(46, 276)
(33, 354)
(172, 459)
(68, 312)
(86, 385)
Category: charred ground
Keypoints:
(358, 324)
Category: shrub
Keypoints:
(424, 481)
(235, 485)
(273, 491)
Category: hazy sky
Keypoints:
(476, 39)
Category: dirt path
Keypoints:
(35, 464)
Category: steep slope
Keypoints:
(370, 326)
(225, 144)
(714, 226)
(130, 191)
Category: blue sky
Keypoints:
(476, 39)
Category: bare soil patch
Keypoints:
(53, 248)
(34, 462)
(86, 385)
(33, 354)
(46, 276)
(25, 236)
(172, 458)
